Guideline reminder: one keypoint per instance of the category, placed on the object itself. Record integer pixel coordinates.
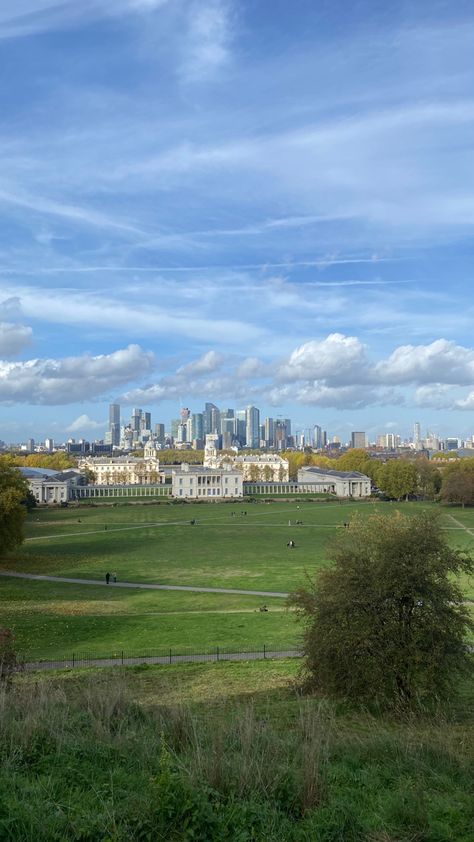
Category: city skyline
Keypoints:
(215, 200)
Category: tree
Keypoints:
(397, 478)
(458, 487)
(355, 459)
(387, 620)
(13, 496)
(428, 479)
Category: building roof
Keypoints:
(201, 469)
(38, 473)
(337, 474)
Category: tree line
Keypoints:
(399, 478)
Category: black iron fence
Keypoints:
(163, 656)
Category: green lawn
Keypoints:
(157, 543)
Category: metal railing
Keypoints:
(162, 656)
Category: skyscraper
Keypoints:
(114, 424)
(211, 418)
(358, 440)
(269, 432)
(252, 427)
(417, 435)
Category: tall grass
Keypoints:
(94, 765)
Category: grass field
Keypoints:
(225, 752)
(157, 544)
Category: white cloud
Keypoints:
(211, 361)
(29, 17)
(440, 362)
(85, 423)
(434, 396)
(465, 403)
(335, 358)
(13, 338)
(252, 367)
(343, 397)
(137, 318)
(55, 382)
(208, 39)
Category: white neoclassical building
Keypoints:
(124, 470)
(52, 487)
(201, 483)
(266, 467)
(340, 483)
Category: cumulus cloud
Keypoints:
(335, 358)
(440, 362)
(434, 396)
(347, 397)
(252, 367)
(54, 382)
(85, 423)
(211, 361)
(465, 403)
(13, 338)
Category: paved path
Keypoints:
(161, 659)
(144, 585)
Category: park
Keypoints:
(235, 546)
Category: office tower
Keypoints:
(30, 445)
(184, 413)
(252, 427)
(175, 422)
(317, 437)
(135, 422)
(114, 424)
(269, 434)
(417, 435)
(241, 425)
(49, 445)
(211, 418)
(146, 421)
(358, 440)
(160, 433)
(452, 444)
(391, 441)
(280, 434)
(197, 426)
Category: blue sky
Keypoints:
(244, 202)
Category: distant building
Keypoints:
(124, 470)
(195, 482)
(114, 424)
(265, 467)
(358, 440)
(52, 487)
(340, 483)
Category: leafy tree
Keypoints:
(13, 496)
(387, 620)
(355, 459)
(428, 479)
(397, 478)
(267, 473)
(458, 487)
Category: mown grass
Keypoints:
(53, 620)
(224, 752)
(156, 543)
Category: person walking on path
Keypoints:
(114, 577)
(107, 578)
